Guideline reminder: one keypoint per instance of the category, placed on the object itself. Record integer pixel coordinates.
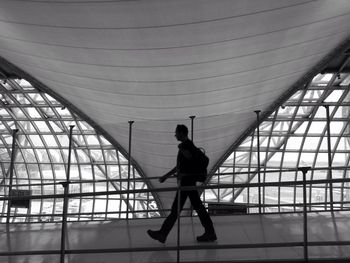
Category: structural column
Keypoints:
(129, 171)
(13, 155)
(65, 199)
(192, 127)
(330, 176)
(258, 155)
(192, 118)
(304, 170)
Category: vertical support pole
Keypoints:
(65, 199)
(178, 218)
(304, 170)
(129, 170)
(330, 176)
(192, 126)
(258, 149)
(192, 118)
(13, 155)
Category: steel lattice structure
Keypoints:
(41, 161)
(293, 136)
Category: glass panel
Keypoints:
(36, 98)
(42, 157)
(286, 111)
(63, 140)
(63, 112)
(317, 127)
(4, 113)
(24, 84)
(304, 111)
(36, 141)
(342, 112)
(18, 113)
(47, 112)
(32, 113)
(46, 171)
(41, 125)
(21, 98)
(56, 127)
(97, 155)
(28, 155)
(307, 159)
(337, 127)
(55, 155)
(311, 143)
(334, 96)
(92, 140)
(294, 143)
(50, 140)
(290, 159)
(86, 172)
(50, 99)
(6, 99)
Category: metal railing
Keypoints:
(305, 243)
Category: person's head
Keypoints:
(181, 132)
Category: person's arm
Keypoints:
(167, 175)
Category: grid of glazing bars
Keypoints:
(41, 158)
(294, 135)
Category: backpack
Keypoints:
(200, 164)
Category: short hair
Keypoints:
(182, 129)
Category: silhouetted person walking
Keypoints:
(183, 169)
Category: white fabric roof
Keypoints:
(159, 61)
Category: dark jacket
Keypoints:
(184, 163)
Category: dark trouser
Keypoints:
(197, 205)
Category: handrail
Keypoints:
(88, 214)
(167, 189)
(73, 181)
(174, 248)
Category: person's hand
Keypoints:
(162, 179)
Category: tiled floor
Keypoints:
(241, 229)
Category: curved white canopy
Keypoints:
(157, 62)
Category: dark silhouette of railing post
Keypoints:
(13, 155)
(192, 118)
(258, 155)
(304, 170)
(330, 176)
(65, 198)
(178, 218)
(192, 127)
(129, 168)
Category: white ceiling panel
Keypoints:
(159, 61)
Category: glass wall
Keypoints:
(295, 135)
(41, 157)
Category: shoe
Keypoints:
(207, 237)
(156, 235)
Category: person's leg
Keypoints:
(171, 219)
(204, 217)
(169, 222)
